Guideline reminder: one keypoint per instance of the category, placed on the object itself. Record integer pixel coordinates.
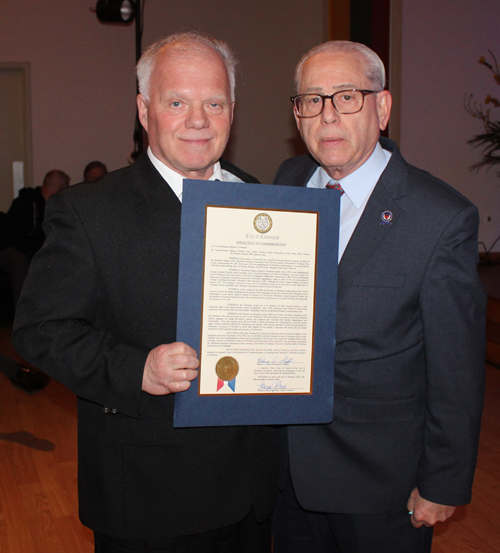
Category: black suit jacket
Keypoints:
(410, 351)
(100, 295)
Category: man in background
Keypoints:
(106, 327)
(26, 214)
(22, 237)
(94, 171)
(401, 450)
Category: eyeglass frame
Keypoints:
(325, 96)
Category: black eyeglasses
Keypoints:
(344, 101)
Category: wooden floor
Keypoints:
(476, 527)
(38, 497)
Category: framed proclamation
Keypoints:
(257, 300)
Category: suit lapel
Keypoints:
(156, 203)
(296, 171)
(371, 230)
(305, 173)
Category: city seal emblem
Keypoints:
(263, 223)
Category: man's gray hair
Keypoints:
(375, 70)
(189, 42)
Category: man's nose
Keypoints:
(329, 113)
(197, 117)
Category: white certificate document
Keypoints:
(258, 298)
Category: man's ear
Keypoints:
(232, 112)
(142, 108)
(384, 104)
(297, 119)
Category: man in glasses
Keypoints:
(401, 451)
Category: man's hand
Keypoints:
(170, 368)
(425, 512)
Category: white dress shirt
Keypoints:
(357, 188)
(176, 180)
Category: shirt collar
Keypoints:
(360, 183)
(175, 180)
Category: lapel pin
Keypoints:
(386, 218)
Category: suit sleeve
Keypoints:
(59, 327)
(453, 304)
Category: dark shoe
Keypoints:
(30, 380)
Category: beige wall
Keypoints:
(83, 84)
(442, 43)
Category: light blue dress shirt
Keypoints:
(357, 187)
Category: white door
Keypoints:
(15, 130)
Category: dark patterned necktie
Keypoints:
(332, 185)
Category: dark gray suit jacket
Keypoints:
(410, 352)
(100, 295)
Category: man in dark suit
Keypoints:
(401, 450)
(105, 326)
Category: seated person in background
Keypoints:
(94, 171)
(23, 227)
(22, 237)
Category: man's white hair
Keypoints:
(375, 70)
(189, 42)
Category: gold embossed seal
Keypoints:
(262, 223)
(227, 368)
